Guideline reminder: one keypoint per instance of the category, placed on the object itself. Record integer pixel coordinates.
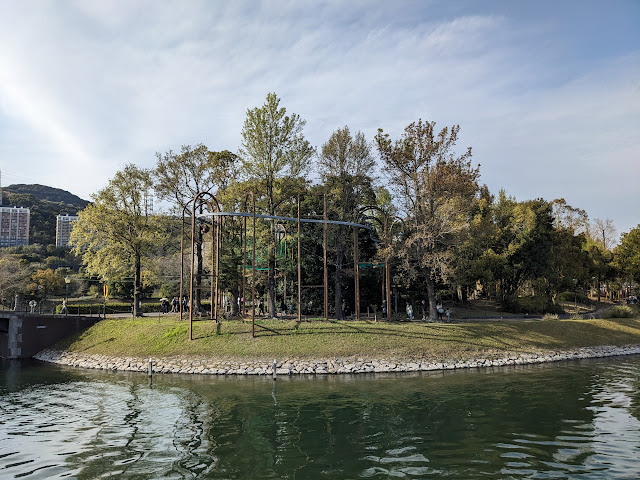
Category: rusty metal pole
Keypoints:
(217, 226)
(193, 237)
(244, 267)
(182, 257)
(387, 269)
(356, 271)
(299, 266)
(181, 262)
(324, 260)
(253, 268)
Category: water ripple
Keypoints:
(576, 421)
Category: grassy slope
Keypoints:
(166, 337)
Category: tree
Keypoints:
(13, 278)
(603, 232)
(628, 254)
(601, 239)
(571, 218)
(178, 178)
(436, 190)
(346, 167)
(116, 234)
(273, 149)
(45, 282)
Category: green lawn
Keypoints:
(167, 336)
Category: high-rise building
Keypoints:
(14, 226)
(64, 224)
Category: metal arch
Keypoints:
(214, 300)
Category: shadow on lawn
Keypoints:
(502, 335)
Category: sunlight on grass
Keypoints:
(168, 336)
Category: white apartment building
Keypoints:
(14, 226)
(64, 224)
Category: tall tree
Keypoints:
(273, 149)
(346, 167)
(178, 178)
(116, 234)
(603, 232)
(628, 255)
(601, 240)
(571, 218)
(436, 189)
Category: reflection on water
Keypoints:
(572, 420)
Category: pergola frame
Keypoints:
(215, 216)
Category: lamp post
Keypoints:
(67, 281)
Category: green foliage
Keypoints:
(618, 311)
(169, 290)
(116, 234)
(530, 305)
(436, 191)
(95, 291)
(574, 296)
(273, 145)
(44, 283)
(14, 275)
(628, 254)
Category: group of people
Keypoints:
(410, 314)
(174, 304)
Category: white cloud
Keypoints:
(100, 84)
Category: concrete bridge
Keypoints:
(22, 335)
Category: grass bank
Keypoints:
(168, 337)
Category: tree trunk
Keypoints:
(431, 292)
(234, 311)
(137, 311)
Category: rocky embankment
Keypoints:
(210, 366)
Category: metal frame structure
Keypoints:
(196, 203)
(216, 215)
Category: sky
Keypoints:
(547, 93)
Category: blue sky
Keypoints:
(546, 93)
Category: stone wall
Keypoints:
(27, 334)
(320, 367)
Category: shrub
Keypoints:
(530, 305)
(169, 290)
(573, 296)
(576, 316)
(618, 311)
(550, 316)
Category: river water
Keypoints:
(575, 420)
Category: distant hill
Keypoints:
(45, 204)
(49, 194)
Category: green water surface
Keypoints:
(566, 420)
